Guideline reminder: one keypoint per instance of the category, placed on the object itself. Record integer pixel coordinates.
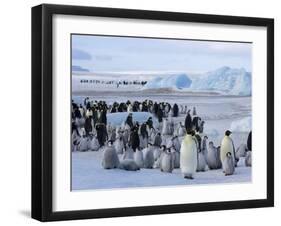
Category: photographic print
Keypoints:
(159, 112)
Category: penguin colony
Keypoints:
(133, 146)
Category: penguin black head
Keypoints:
(227, 133)
(228, 154)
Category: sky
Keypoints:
(124, 54)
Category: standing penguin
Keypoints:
(204, 147)
(129, 153)
(212, 156)
(194, 111)
(165, 128)
(148, 157)
(228, 164)
(181, 130)
(201, 164)
(175, 110)
(227, 146)
(134, 139)
(119, 145)
(101, 133)
(188, 122)
(110, 158)
(188, 157)
(248, 159)
(167, 162)
(176, 157)
(93, 143)
(138, 157)
(157, 140)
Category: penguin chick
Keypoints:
(228, 165)
(129, 164)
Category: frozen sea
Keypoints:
(220, 112)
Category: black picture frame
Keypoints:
(42, 111)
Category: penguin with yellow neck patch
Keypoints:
(227, 146)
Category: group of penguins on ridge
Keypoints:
(167, 146)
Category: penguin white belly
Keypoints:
(226, 146)
(188, 156)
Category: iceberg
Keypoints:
(179, 81)
(228, 80)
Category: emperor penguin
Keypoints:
(212, 156)
(148, 157)
(248, 159)
(138, 157)
(165, 128)
(157, 162)
(129, 153)
(176, 156)
(228, 164)
(83, 144)
(227, 146)
(110, 158)
(167, 162)
(176, 143)
(201, 164)
(94, 144)
(129, 164)
(119, 145)
(181, 130)
(188, 157)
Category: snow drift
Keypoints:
(228, 80)
(171, 81)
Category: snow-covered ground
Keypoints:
(219, 112)
(87, 173)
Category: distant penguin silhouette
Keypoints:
(129, 153)
(228, 164)
(248, 159)
(167, 162)
(129, 164)
(212, 156)
(227, 146)
(119, 145)
(148, 157)
(188, 157)
(138, 157)
(241, 151)
(194, 111)
(110, 158)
